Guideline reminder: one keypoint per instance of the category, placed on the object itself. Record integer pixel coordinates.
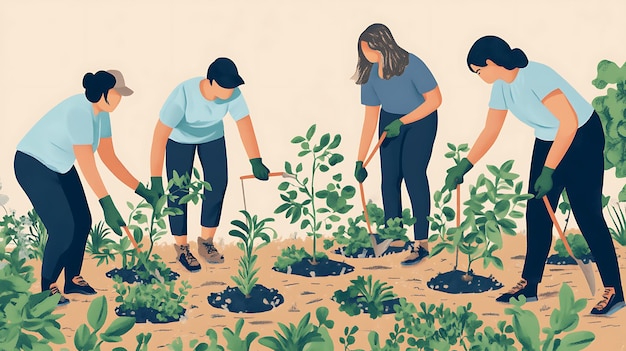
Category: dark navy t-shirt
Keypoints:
(399, 94)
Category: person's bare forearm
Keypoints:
(369, 129)
(248, 137)
(87, 164)
(488, 136)
(560, 107)
(113, 163)
(157, 151)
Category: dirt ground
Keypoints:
(306, 294)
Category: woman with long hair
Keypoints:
(567, 154)
(401, 96)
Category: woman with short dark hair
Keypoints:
(44, 167)
(401, 95)
(568, 154)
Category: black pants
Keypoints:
(212, 156)
(59, 200)
(581, 173)
(406, 157)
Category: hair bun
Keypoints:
(519, 58)
(87, 79)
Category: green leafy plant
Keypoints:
(300, 196)
(4, 199)
(234, 339)
(248, 232)
(195, 345)
(27, 321)
(303, 336)
(578, 244)
(37, 236)
(349, 338)
(355, 236)
(489, 212)
(89, 339)
(142, 341)
(364, 292)
(98, 242)
(13, 228)
(618, 231)
(291, 255)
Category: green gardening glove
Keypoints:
(393, 128)
(360, 173)
(543, 184)
(149, 195)
(111, 216)
(456, 173)
(259, 170)
(156, 186)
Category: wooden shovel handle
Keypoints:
(132, 238)
(251, 176)
(558, 227)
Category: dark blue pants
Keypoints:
(179, 158)
(406, 157)
(581, 173)
(59, 200)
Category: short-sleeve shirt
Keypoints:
(399, 94)
(72, 122)
(196, 120)
(523, 98)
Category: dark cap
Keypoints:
(224, 72)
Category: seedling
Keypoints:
(303, 336)
(364, 293)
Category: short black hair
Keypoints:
(98, 84)
(224, 72)
(497, 50)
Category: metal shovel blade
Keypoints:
(379, 248)
(587, 268)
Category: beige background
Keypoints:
(297, 58)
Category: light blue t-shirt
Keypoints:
(523, 98)
(399, 94)
(72, 122)
(196, 120)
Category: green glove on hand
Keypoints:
(149, 195)
(111, 216)
(360, 173)
(259, 170)
(456, 173)
(543, 184)
(393, 128)
(156, 186)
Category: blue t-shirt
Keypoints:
(523, 97)
(72, 122)
(196, 120)
(399, 94)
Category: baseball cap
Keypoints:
(224, 72)
(120, 86)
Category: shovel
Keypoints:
(251, 176)
(585, 267)
(379, 248)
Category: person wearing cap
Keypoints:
(44, 167)
(190, 121)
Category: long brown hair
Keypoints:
(395, 58)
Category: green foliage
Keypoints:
(87, 336)
(493, 204)
(618, 231)
(576, 242)
(349, 338)
(301, 196)
(291, 255)
(355, 236)
(27, 321)
(37, 235)
(248, 232)
(366, 292)
(234, 339)
(98, 243)
(13, 228)
(177, 345)
(303, 337)
(142, 341)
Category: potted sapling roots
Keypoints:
(248, 296)
(315, 206)
(354, 239)
(490, 211)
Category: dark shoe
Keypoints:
(55, 290)
(207, 250)
(186, 258)
(521, 288)
(415, 256)
(609, 304)
(78, 285)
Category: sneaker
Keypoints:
(415, 256)
(521, 288)
(208, 251)
(55, 290)
(186, 258)
(78, 285)
(609, 304)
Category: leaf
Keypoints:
(120, 326)
(449, 154)
(324, 168)
(348, 192)
(299, 168)
(335, 159)
(297, 140)
(622, 195)
(337, 177)
(335, 143)
(451, 147)
(576, 341)
(310, 132)
(288, 169)
(283, 186)
(81, 337)
(97, 313)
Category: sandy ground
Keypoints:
(306, 294)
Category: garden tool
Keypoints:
(587, 268)
(251, 176)
(132, 239)
(379, 248)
